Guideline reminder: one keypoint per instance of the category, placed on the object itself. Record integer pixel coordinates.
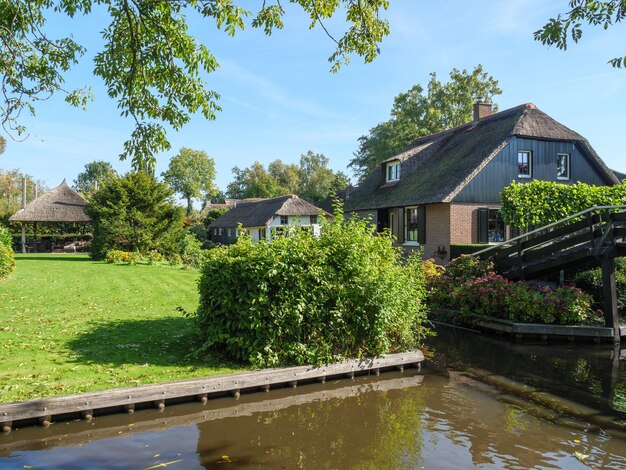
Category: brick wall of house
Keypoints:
(464, 222)
(437, 231)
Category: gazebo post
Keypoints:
(23, 237)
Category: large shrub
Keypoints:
(135, 213)
(7, 259)
(542, 202)
(301, 299)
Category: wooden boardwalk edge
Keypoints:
(125, 399)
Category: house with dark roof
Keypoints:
(444, 189)
(265, 218)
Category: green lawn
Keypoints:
(69, 324)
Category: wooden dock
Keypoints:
(87, 405)
(80, 433)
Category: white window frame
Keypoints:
(392, 171)
(568, 159)
(286, 218)
(313, 219)
(406, 227)
(530, 164)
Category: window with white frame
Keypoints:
(262, 234)
(562, 166)
(284, 220)
(393, 171)
(313, 219)
(411, 225)
(524, 164)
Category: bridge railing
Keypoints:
(572, 238)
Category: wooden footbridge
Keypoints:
(591, 238)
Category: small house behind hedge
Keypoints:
(266, 218)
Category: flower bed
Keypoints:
(470, 286)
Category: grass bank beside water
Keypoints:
(69, 324)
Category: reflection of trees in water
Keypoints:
(369, 430)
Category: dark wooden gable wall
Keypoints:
(486, 186)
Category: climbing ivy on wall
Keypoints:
(543, 202)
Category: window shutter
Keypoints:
(421, 225)
(483, 225)
(401, 225)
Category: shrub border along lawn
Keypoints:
(69, 324)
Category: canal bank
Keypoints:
(443, 416)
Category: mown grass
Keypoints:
(69, 324)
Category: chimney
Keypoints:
(481, 110)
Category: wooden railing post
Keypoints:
(609, 289)
(521, 260)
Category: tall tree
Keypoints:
(558, 31)
(254, 181)
(317, 181)
(150, 63)
(191, 174)
(415, 114)
(95, 174)
(11, 192)
(311, 179)
(135, 213)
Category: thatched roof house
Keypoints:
(62, 204)
(260, 215)
(444, 189)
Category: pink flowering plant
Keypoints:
(471, 286)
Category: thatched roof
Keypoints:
(261, 212)
(228, 204)
(619, 175)
(437, 167)
(62, 204)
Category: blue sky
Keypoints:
(280, 100)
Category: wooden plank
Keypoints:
(232, 383)
(557, 246)
(556, 263)
(76, 434)
(559, 232)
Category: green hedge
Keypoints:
(458, 250)
(540, 203)
(302, 300)
(7, 258)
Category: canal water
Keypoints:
(478, 402)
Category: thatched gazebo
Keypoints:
(60, 205)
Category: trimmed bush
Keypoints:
(301, 299)
(540, 203)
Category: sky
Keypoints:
(279, 98)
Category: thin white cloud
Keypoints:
(271, 92)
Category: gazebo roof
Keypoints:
(62, 204)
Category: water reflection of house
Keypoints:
(265, 218)
(444, 189)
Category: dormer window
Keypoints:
(393, 171)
